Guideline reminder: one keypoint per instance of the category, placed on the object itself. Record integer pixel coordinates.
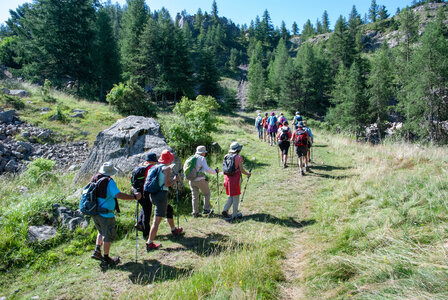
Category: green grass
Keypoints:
(366, 223)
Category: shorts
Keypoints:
(301, 151)
(284, 146)
(265, 130)
(163, 209)
(106, 227)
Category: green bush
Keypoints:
(130, 99)
(193, 123)
(39, 169)
(12, 101)
(46, 92)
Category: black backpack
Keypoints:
(228, 165)
(138, 177)
(284, 137)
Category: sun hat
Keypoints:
(297, 113)
(166, 157)
(272, 113)
(108, 169)
(201, 150)
(235, 146)
(259, 115)
(151, 157)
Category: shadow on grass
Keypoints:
(267, 218)
(319, 146)
(328, 168)
(151, 270)
(327, 176)
(213, 243)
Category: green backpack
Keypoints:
(190, 167)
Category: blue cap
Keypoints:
(151, 157)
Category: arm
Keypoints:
(168, 181)
(205, 167)
(241, 167)
(123, 196)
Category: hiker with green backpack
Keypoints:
(232, 167)
(195, 168)
(157, 183)
(107, 194)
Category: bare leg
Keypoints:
(106, 248)
(154, 228)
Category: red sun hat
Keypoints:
(166, 157)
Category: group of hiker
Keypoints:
(276, 131)
(150, 181)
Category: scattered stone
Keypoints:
(11, 166)
(68, 218)
(26, 134)
(7, 116)
(74, 168)
(215, 147)
(41, 233)
(79, 111)
(20, 93)
(78, 115)
(5, 91)
(44, 135)
(45, 109)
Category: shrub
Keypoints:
(130, 99)
(193, 124)
(46, 92)
(39, 169)
(12, 101)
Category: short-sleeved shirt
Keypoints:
(109, 201)
(265, 122)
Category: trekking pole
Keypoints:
(278, 151)
(217, 189)
(136, 233)
(177, 199)
(245, 186)
(217, 201)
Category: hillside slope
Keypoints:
(366, 222)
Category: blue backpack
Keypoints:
(272, 120)
(88, 204)
(152, 180)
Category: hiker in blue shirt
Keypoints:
(297, 119)
(108, 193)
(259, 126)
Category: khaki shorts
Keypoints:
(106, 227)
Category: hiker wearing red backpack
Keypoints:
(272, 128)
(300, 139)
(265, 126)
(283, 137)
(232, 167)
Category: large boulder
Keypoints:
(41, 233)
(126, 144)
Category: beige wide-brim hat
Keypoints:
(201, 150)
(235, 146)
(108, 169)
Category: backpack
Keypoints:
(301, 139)
(138, 177)
(272, 120)
(228, 165)
(190, 167)
(152, 180)
(259, 122)
(284, 137)
(88, 204)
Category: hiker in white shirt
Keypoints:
(199, 183)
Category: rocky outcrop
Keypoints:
(126, 144)
(41, 233)
(68, 218)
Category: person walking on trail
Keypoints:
(259, 126)
(200, 183)
(281, 120)
(265, 126)
(297, 119)
(283, 137)
(272, 128)
(160, 200)
(107, 193)
(232, 168)
(300, 140)
(310, 140)
(144, 220)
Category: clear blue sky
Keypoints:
(243, 11)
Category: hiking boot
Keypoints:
(207, 211)
(307, 168)
(96, 255)
(138, 226)
(302, 173)
(177, 231)
(111, 262)
(225, 214)
(152, 246)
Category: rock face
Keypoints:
(68, 218)
(41, 233)
(126, 144)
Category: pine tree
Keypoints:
(134, 19)
(341, 45)
(256, 76)
(308, 30)
(276, 68)
(373, 11)
(295, 29)
(319, 27)
(380, 84)
(106, 54)
(325, 22)
(382, 13)
(234, 60)
(284, 33)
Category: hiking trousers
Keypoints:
(235, 201)
(195, 186)
(145, 213)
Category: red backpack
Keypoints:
(301, 138)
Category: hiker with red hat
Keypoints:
(160, 198)
(272, 128)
